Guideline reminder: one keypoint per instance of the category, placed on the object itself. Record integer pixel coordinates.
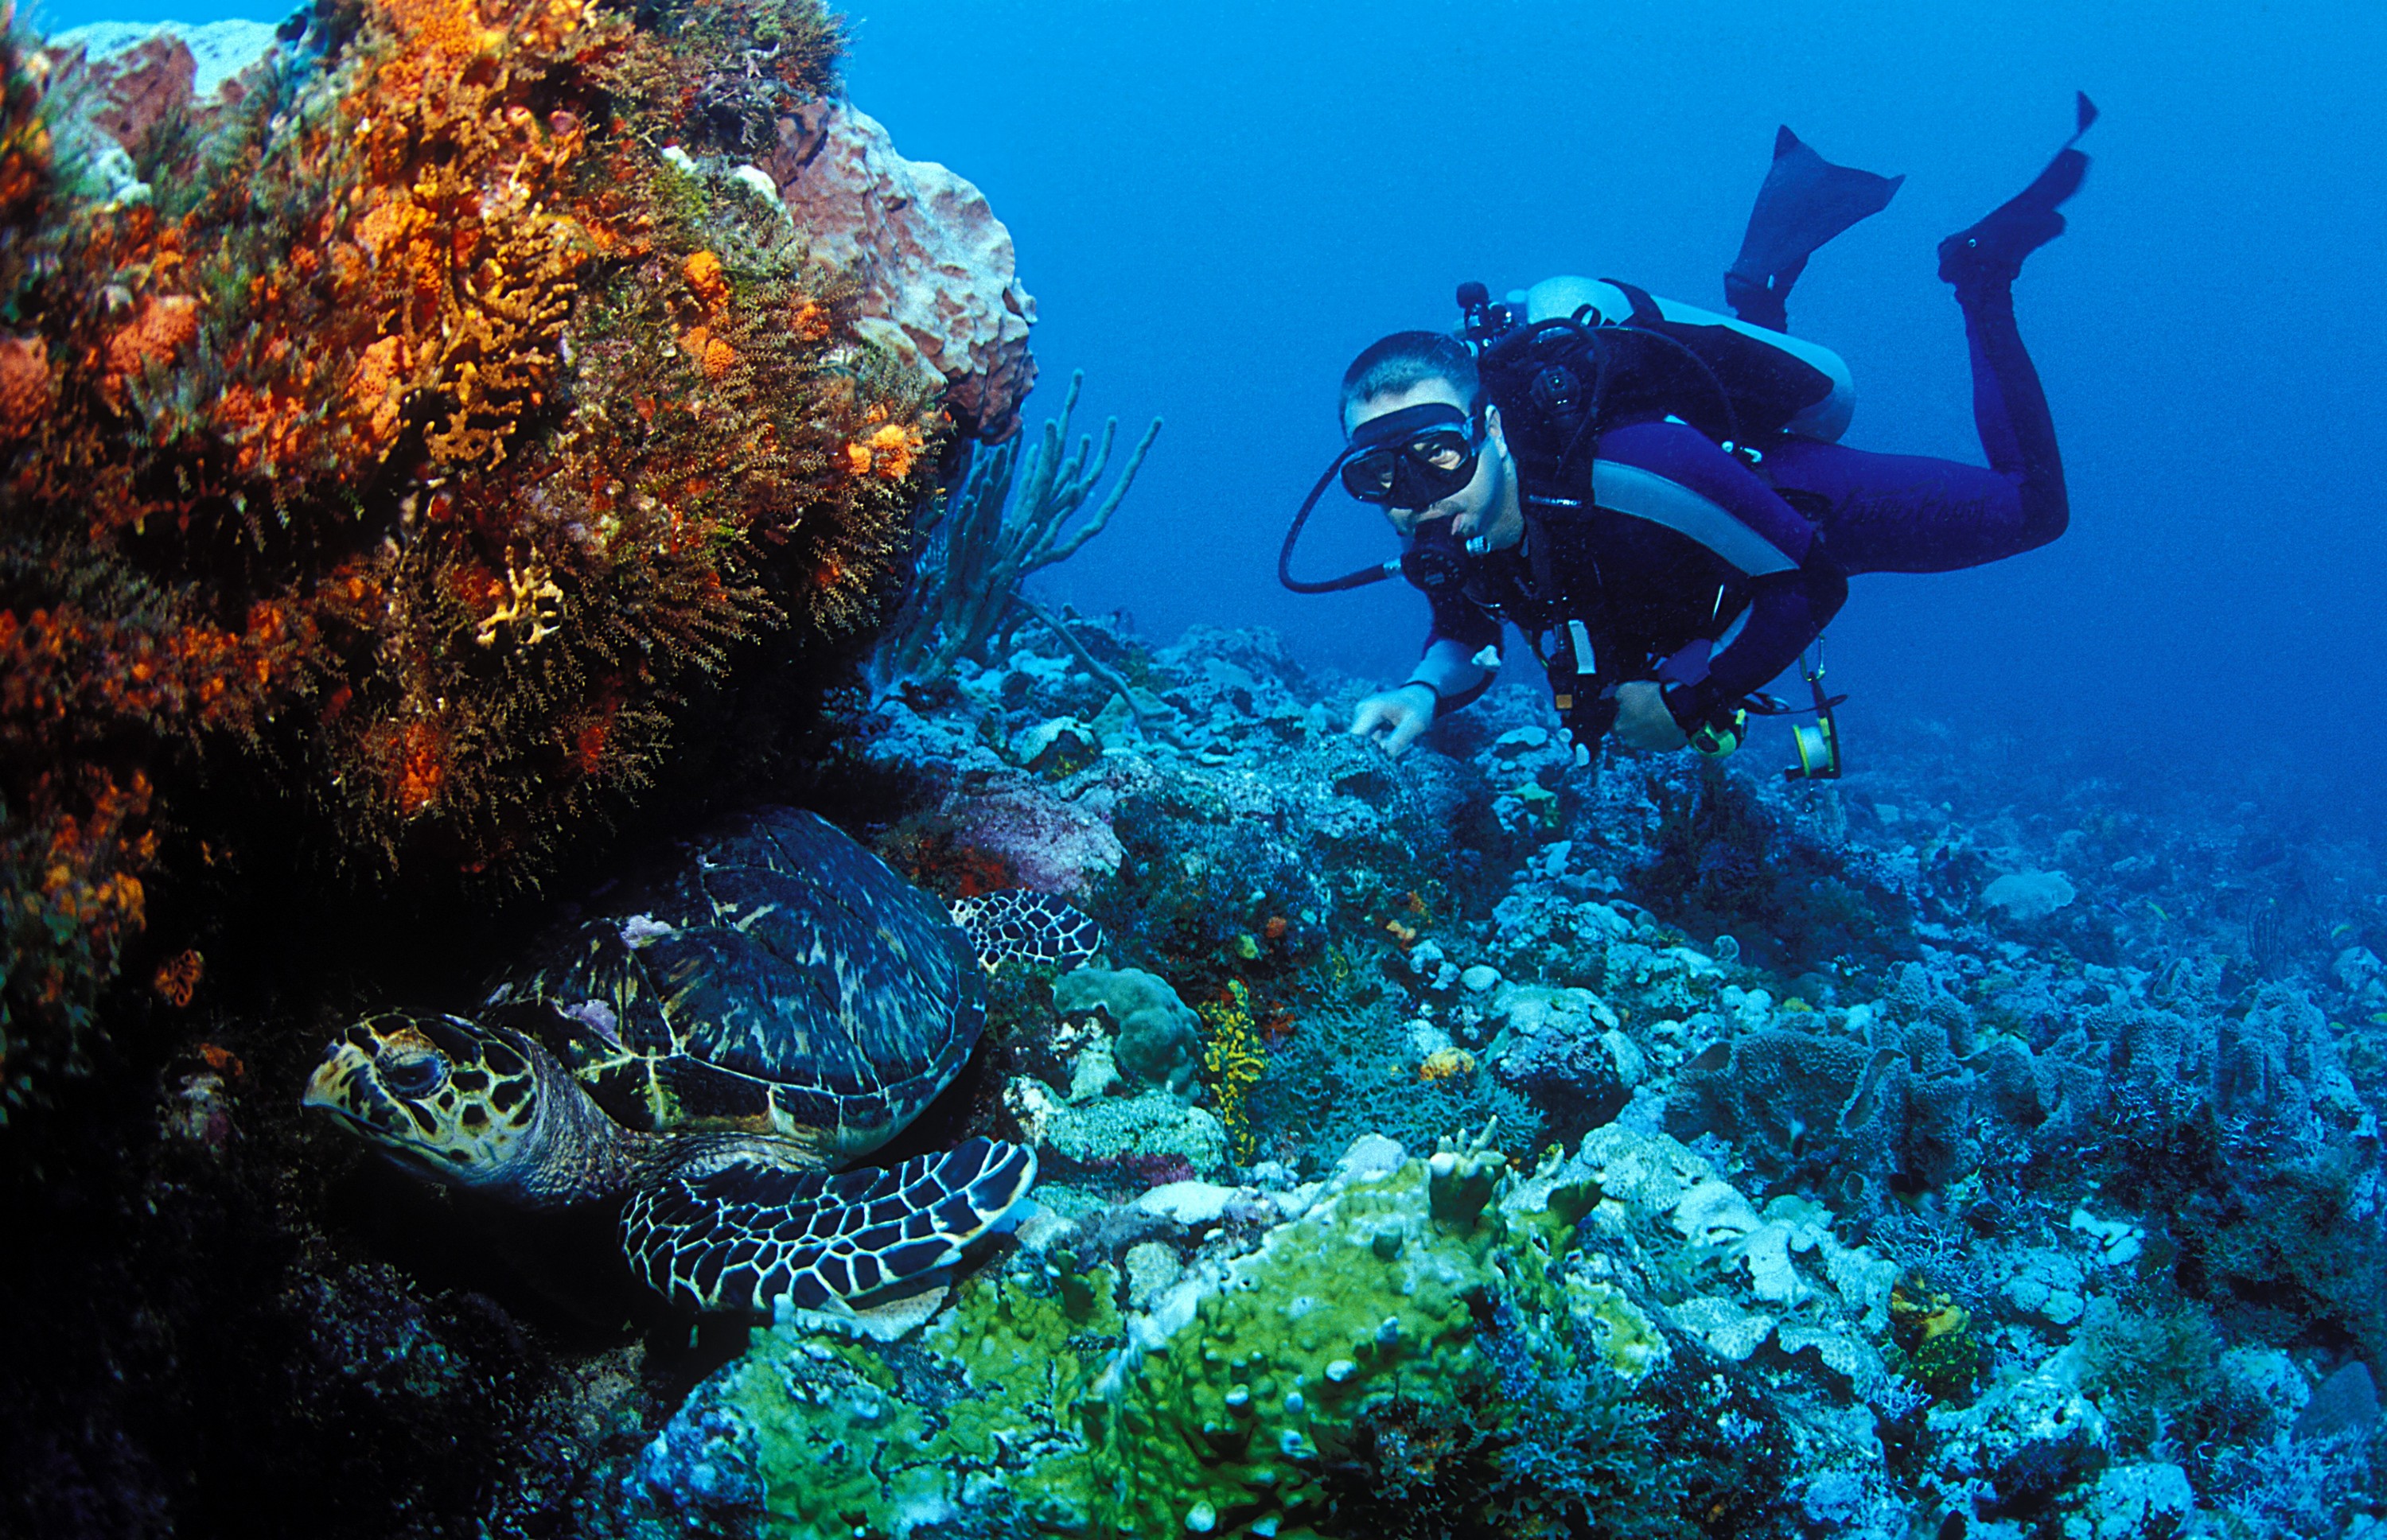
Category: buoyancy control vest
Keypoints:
(1571, 356)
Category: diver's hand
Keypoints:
(1395, 717)
(1642, 719)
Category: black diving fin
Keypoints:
(1806, 200)
(1992, 250)
(2085, 113)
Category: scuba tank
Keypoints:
(1570, 353)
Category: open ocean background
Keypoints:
(1216, 204)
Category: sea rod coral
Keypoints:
(975, 551)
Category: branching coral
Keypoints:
(423, 437)
(976, 548)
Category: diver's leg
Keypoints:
(1913, 513)
(1885, 513)
(2010, 410)
(2009, 405)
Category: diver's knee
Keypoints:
(2045, 518)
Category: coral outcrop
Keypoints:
(939, 279)
(394, 441)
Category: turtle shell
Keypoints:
(774, 977)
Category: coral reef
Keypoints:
(423, 440)
(1957, 1149)
(401, 437)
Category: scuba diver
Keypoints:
(1654, 495)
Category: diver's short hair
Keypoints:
(1394, 364)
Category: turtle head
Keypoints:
(449, 1098)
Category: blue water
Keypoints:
(1216, 204)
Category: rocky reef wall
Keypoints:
(435, 438)
(402, 430)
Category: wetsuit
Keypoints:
(1661, 542)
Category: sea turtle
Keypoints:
(714, 1045)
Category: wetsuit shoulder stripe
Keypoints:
(1646, 494)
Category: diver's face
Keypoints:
(1487, 505)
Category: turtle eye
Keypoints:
(417, 1076)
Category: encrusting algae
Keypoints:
(427, 424)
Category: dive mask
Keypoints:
(1412, 458)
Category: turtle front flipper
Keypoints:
(1016, 924)
(745, 1234)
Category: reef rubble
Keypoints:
(1830, 1190)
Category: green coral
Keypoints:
(843, 1452)
(1223, 1413)
(1239, 1413)
(1159, 1034)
